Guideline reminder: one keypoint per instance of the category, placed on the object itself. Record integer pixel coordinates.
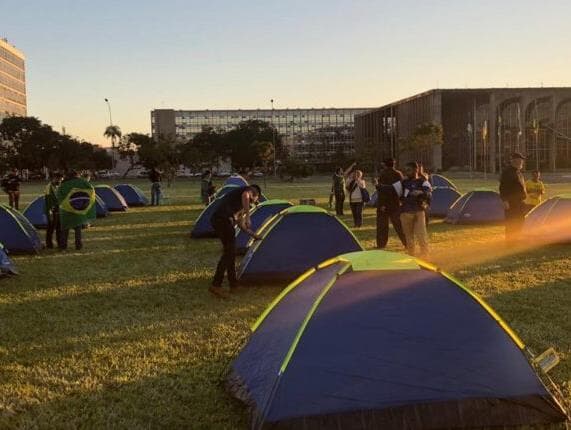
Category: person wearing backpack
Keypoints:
(415, 193)
(358, 196)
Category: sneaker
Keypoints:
(217, 291)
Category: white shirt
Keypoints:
(356, 196)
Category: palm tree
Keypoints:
(113, 132)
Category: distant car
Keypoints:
(143, 174)
(197, 175)
(257, 174)
(184, 174)
(223, 174)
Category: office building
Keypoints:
(12, 81)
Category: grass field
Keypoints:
(125, 335)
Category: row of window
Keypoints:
(11, 58)
(12, 71)
(12, 83)
(8, 108)
(8, 94)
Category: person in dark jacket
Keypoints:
(233, 210)
(415, 193)
(388, 205)
(155, 177)
(11, 185)
(207, 188)
(52, 210)
(513, 194)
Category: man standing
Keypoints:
(11, 185)
(535, 190)
(155, 178)
(52, 210)
(388, 205)
(338, 188)
(513, 194)
(234, 209)
(415, 193)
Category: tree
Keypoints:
(205, 149)
(241, 142)
(113, 132)
(420, 144)
(128, 148)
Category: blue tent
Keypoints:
(550, 221)
(442, 199)
(114, 201)
(378, 340)
(6, 265)
(237, 180)
(133, 195)
(36, 213)
(258, 216)
(294, 240)
(441, 181)
(477, 207)
(16, 232)
(101, 209)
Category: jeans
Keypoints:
(53, 227)
(414, 227)
(225, 231)
(339, 201)
(357, 211)
(514, 220)
(65, 236)
(155, 193)
(383, 217)
(14, 199)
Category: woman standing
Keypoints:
(355, 187)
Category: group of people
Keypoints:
(402, 199)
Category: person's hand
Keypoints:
(247, 222)
(375, 182)
(506, 206)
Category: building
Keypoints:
(12, 81)
(312, 135)
(480, 128)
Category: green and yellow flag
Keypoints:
(76, 199)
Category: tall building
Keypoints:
(12, 81)
(480, 128)
(311, 135)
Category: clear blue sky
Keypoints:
(303, 53)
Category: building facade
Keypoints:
(315, 136)
(480, 127)
(12, 81)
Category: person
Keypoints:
(425, 174)
(338, 188)
(52, 210)
(355, 186)
(415, 193)
(11, 186)
(234, 209)
(535, 190)
(64, 232)
(513, 195)
(388, 205)
(155, 178)
(207, 189)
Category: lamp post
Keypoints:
(112, 138)
(273, 137)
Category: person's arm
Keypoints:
(542, 190)
(242, 217)
(246, 200)
(348, 169)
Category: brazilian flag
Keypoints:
(76, 199)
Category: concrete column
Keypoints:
(492, 132)
(553, 150)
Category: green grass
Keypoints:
(125, 335)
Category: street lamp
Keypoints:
(273, 137)
(112, 138)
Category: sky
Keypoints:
(217, 54)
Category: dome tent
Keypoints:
(36, 212)
(550, 221)
(258, 216)
(236, 180)
(377, 339)
(441, 181)
(294, 240)
(133, 195)
(16, 232)
(114, 201)
(101, 209)
(442, 199)
(477, 207)
(6, 265)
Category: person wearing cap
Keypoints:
(513, 195)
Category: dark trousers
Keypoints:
(14, 199)
(227, 264)
(53, 227)
(357, 211)
(65, 236)
(515, 216)
(339, 202)
(383, 218)
(155, 194)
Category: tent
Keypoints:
(258, 216)
(202, 227)
(114, 201)
(294, 240)
(441, 181)
(133, 195)
(442, 199)
(6, 265)
(237, 180)
(550, 221)
(477, 207)
(36, 212)
(379, 340)
(101, 209)
(16, 232)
